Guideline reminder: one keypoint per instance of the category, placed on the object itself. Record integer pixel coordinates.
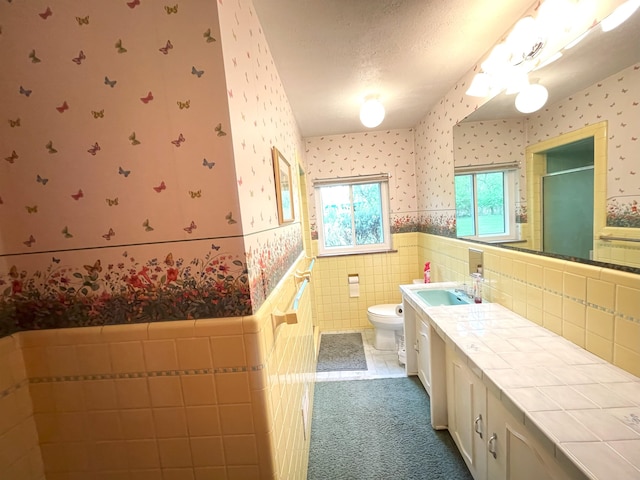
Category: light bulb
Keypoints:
(479, 85)
(516, 80)
(531, 98)
(371, 113)
(524, 41)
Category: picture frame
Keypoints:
(284, 187)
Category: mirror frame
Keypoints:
(535, 157)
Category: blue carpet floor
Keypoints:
(379, 430)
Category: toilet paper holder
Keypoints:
(353, 281)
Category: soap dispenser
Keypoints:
(477, 287)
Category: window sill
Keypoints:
(495, 241)
(513, 240)
(348, 254)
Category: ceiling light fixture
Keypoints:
(371, 112)
(531, 98)
(533, 43)
(517, 80)
(619, 15)
(480, 85)
(525, 41)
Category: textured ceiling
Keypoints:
(331, 53)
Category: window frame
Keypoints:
(353, 249)
(509, 191)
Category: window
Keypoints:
(353, 214)
(485, 205)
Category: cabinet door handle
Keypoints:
(492, 445)
(478, 423)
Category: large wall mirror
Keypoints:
(580, 150)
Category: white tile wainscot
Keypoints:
(583, 411)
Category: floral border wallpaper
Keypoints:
(128, 290)
(269, 259)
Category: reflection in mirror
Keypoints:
(596, 82)
(565, 207)
(567, 200)
(475, 261)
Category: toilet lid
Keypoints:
(384, 310)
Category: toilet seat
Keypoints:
(385, 314)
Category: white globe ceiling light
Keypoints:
(525, 40)
(531, 98)
(371, 112)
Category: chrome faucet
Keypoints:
(463, 290)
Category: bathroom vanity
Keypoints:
(520, 401)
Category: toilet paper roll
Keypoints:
(399, 310)
(354, 290)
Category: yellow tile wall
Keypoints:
(289, 374)
(379, 275)
(20, 456)
(595, 308)
(198, 399)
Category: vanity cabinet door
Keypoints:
(466, 402)
(512, 452)
(424, 354)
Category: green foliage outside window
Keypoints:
(480, 204)
(352, 215)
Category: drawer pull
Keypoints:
(477, 423)
(492, 445)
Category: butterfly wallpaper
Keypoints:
(120, 135)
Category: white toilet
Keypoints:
(387, 324)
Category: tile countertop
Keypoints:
(584, 408)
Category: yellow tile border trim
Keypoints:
(569, 297)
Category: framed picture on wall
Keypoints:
(284, 190)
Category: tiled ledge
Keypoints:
(554, 386)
